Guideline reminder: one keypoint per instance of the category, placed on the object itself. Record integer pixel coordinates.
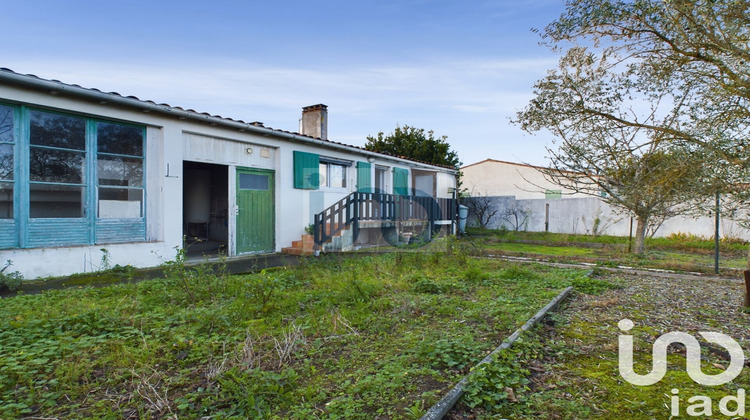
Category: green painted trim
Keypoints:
(400, 181)
(364, 177)
(552, 194)
(306, 170)
(272, 211)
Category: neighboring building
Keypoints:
(492, 177)
(83, 171)
(521, 197)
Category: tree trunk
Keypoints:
(639, 246)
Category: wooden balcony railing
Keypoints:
(366, 207)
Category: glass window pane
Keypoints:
(120, 203)
(6, 161)
(6, 124)
(253, 182)
(119, 139)
(337, 174)
(49, 165)
(56, 130)
(120, 171)
(54, 201)
(6, 200)
(323, 171)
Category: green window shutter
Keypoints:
(553, 194)
(400, 181)
(306, 174)
(363, 177)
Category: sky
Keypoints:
(459, 68)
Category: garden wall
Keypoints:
(579, 215)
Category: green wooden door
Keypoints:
(255, 211)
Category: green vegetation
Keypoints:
(9, 280)
(678, 252)
(571, 371)
(357, 337)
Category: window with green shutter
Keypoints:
(306, 175)
(400, 181)
(364, 183)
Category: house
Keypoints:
(492, 177)
(519, 196)
(89, 178)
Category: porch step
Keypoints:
(305, 246)
(294, 251)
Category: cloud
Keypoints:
(466, 97)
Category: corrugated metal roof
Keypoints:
(80, 90)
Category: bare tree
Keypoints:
(517, 216)
(481, 206)
(663, 75)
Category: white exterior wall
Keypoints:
(169, 142)
(494, 178)
(577, 215)
(446, 183)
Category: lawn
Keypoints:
(356, 337)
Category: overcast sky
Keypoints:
(459, 68)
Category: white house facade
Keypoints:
(86, 174)
(523, 198)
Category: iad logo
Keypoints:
(693, 357)
(701, 405)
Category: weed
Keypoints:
(10, 280)
(105, 263)
(454, 353)
(475, 274)
(425, 285)
(504, 379)
(255, 393)
(291, 340)
(518, 273)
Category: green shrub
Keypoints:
(10, 280)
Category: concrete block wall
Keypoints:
(578, 215)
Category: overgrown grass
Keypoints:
(334, 338)
(678, 252)
(681, 242)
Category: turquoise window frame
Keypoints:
(9, 229)
(87, 230)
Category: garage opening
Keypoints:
(205, 190)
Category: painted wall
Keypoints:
(498, 178)
(171, 141)
(577, 216)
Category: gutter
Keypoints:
(57, 87)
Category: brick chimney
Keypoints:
(315, 121)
